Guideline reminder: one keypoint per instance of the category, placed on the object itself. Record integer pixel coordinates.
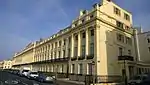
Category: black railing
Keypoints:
(96, 79)
(81, 57)
(90, 56)
(74, 58)
(66, 59)
(88, 78)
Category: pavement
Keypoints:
(7, 78)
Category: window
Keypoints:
(128, 41)
(119, 24)
(89, 68)
(76, 37)
(75, 51)
(127, 27)
(59, 43)
(69, 52)
(75, 24)
(91, 16)
(149, 49)
(59, 54)
(64, 52)
(126, 16)
(148, 40)
(117, 11)
(92, 32)
(91, 48)
(52, 46)
(69, 40)
(83, 35)
(55, 44)
(83, 21)
(120, 37)
(129, 52)
(62, 68)
(55, 55)
(73, 68)
(120, 51)
(80, 69)
(64, 41)
(83, 50)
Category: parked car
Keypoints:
(43, 78)
(24, 73)
(15, 72)
(146, 81)
(136, 80)
(32, 74)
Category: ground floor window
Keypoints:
(89, 68)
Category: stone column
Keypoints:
(87, 42)
(72, 45)
(79, 44)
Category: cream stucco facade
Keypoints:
(91, 45)
(1, 64)
(7, 64)
(144, 46)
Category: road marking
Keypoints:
(35, 84)
(24, 83)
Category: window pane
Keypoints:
(91, 48)
(120, 51)
(119, 24)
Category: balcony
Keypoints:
(61, 59)
(74, 58)
(81, 57)
(91, 56)
(126, 57)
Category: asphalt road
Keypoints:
(11, 79)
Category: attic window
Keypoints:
(91, 16)
(117, 11)
(83, 21)
(84, 12)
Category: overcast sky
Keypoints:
(24, 21)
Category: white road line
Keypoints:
(24, 83)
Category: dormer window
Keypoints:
(117, 11)
(126, 16)
(91, 16)
(83, 20)
(75, 24)
(84, 11)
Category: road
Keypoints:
(7, 78)
(11, 79)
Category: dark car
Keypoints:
(43, 78)
(146, 81)
(16, 72)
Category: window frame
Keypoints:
(117, 11)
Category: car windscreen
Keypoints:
(25, 71)
(33, 73)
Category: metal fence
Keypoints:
(96, 79)
(89, 79)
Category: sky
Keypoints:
(24, 21)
